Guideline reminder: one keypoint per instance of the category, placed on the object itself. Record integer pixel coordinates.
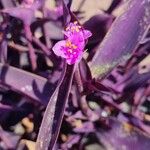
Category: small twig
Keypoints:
(46, 36)
(5, 107)
(3, 41)
(41, 45)
(21, 48)
(5, 139)
(32, 55)
(18, 47)
(83, 103)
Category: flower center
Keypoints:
(70, 46)
(71, 50)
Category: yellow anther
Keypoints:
(74, 46)
(73, 28)
(75, 22)
(77, 29)
(71, 46)
(68, 43)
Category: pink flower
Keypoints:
(72, 47)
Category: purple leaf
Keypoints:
(135, 81)
(24, 12)
(122, 38)
(33, 86)
(55, 111)
(123, 136)
(98, 25)
(85, 72)
(5, 107)
(131, 81)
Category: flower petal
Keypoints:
(87, 34)
(58, 48)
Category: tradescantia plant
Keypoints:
(70, 85)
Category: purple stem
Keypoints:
(30, 85)
(31, 49)
(45, 28)
(82, 98)
(41, 45)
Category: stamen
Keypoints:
(75, 22)
(77, 29)
(73, 28)
(68, 43)
(74, 46)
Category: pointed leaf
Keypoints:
(122, 38)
